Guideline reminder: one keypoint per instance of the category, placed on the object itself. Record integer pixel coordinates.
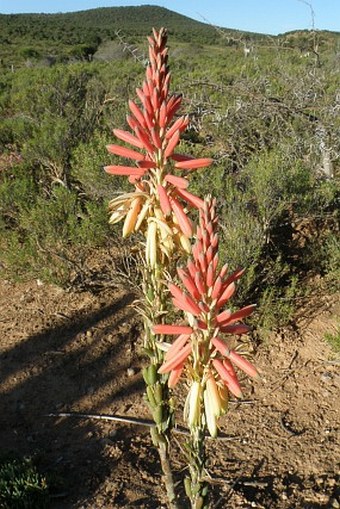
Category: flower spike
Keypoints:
(209, 289)
(155, 134)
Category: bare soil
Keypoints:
(78, 352)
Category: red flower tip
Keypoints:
(176, 360)
(128, 137)
(194, 200)
(243, 364)
(118, 150)
(172, 329)
(177, 345)
(124, 170)
(164, 200)
(221, 346)
(171, 144)
(230, 381)
(179, 182)
(183, 220)
(194, 164)
(175, 375)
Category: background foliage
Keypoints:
(21, 485)
(269, 117)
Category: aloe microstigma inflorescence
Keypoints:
(200, 346)
(158, 205)
(158, 208)
(200, 350)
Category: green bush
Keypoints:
(29, 53)
(53, 235)
(22, 486)
(277, 305)
(334, 340)
(331, 258)
(88, 161)
(275, 183)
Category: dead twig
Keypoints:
(288, 370)
(228, 496)
(333, 363)
(132, 420)
(287, 426)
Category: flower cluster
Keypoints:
(199, 346)
(157, 207)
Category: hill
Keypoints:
(26, 39)
(268, 117)
(78, 34)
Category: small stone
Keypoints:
(284, 495)
(106, 441)
(326, 377)
(130, 372)
(113, 434)
(39, 282)
(334, 503)
(89, 334)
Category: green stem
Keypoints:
(196, 486)
(157, 391)
(163, 450)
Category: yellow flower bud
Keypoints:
(210, 415)
(194, 404)
(131, 217)
(151, 244)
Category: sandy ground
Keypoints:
(77, 352)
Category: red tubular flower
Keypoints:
(156, 134)
(206, 290)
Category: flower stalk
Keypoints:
(157, 392)
(157, 208)
(200, 351)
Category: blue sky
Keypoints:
(267, 16)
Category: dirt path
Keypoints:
(61, 351)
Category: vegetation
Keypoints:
(50, 38)
(268, 117)
(78, 35)
(21, 485)
(334, 340)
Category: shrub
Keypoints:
(22, 486)
(331, 258)
(53, 235)
(334, 340)
(29, 53)
(88, 160)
